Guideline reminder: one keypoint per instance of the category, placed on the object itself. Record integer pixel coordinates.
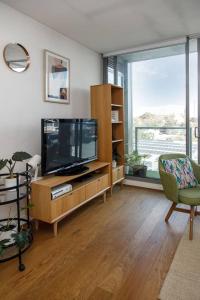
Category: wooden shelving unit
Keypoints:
(104, 99)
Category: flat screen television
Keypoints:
(67, 144)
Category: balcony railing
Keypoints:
(155, 141)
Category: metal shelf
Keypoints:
(15, 224)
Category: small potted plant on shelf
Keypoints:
(135, 162)
(10, 163)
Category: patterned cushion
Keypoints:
(182, 169)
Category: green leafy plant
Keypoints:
(135, 159)
(29, 205)
(11, 162)
(21, 238)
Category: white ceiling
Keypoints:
(110, 25)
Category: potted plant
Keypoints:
(135, 162)
(10, 165)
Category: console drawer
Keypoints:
(120, 172)
(96, 186)
(117, 173)
(114, 174)
(91, 189)
(66, 202)
(103, 183)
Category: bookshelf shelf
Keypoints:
(117, 141)
(116, 105)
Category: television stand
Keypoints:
(73, 171)
(85, 187)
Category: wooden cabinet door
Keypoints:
(64, 203)
(91, 189)
(114, 175)
(117, 173)
(96, 186)
(102, 183)
(57, 207)
(74, 199)
(120, 172)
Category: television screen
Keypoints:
(67, 143)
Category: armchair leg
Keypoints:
(170, 211)
(192, 214)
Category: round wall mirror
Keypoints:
(16, 57)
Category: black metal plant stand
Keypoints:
(15, 195)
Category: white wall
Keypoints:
(22, 95)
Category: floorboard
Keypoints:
(121, 249)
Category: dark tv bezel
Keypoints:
(44, 172)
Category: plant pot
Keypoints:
(140, 171)
(10, 182)
(127, 168)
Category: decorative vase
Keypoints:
(114, 163)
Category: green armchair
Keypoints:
(188, 196)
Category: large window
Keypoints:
(160, 118)
(157, 84)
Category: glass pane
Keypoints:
(157, 91)
(110, 75)
(120, 78)
(193, 97)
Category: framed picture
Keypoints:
(57, 78)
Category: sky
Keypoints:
(158, 85)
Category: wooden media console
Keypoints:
(85, 186)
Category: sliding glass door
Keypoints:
(193, 100)
(157, 92)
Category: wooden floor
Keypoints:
(118, 250)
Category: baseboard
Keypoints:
(147, 185)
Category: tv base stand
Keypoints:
(84, 189)
(73, 171)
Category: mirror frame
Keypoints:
(26, 53)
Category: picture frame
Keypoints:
(57, 78)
